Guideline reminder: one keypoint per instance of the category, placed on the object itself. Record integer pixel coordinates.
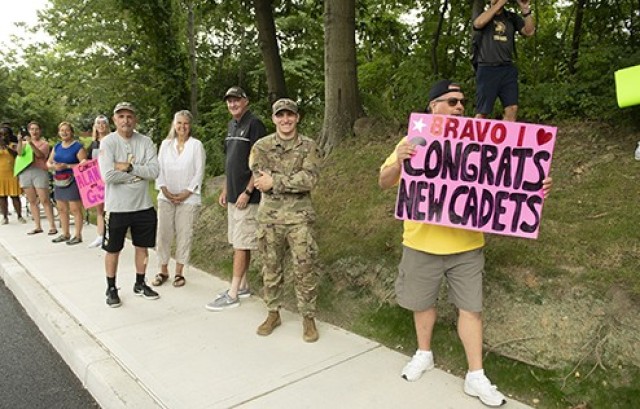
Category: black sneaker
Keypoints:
(113, 300)
(145, 291)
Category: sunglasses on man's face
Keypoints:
(453, 101)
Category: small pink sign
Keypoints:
(476, 174)
(90, 183)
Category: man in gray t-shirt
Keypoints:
(128, 162)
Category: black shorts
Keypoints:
(143, 226)
(496, 82)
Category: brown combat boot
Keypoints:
(272, 321)
(309, 331)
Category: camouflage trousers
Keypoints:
(272, 242)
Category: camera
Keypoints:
(23, 132)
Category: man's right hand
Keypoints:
(405, 150)
(222, 199)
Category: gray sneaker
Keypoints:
(242, 293)
(223, 303)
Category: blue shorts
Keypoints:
(496, 82)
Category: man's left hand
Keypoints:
(547, 183)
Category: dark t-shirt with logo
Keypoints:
(496, 39)
(241, 135)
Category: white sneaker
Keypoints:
(481, 388)
(96, 243)
(420, 363)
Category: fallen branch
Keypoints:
(509, 341)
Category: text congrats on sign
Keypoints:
(476, 174)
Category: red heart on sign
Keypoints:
(543, 136)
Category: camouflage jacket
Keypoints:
(295, 172)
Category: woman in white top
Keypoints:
(182, 159)
(100, 130)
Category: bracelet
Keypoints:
(527, 14)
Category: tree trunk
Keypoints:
(577, 33)
(342, 100)
(436, 39)
(193, 74)
(270, 51)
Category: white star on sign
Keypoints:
(418, 125)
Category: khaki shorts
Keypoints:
(420, 275)
(34, 177)
(242, 227)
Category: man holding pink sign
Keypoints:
(443, 216)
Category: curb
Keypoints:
(108, 382)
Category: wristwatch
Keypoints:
(129, 168)
(248, 192)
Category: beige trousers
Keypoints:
(175, 221)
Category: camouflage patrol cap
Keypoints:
(124, 105)
(235, 91)
(285, 104)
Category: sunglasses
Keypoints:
(453, 101)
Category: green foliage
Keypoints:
(106, 51)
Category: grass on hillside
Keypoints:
(588, 244)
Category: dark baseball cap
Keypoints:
(442, 87)
(124, 105)
(235, 92)
(284, 104)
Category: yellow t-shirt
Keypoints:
(433, 238)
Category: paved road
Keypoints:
(32, 374)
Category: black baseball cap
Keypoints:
(442, 87)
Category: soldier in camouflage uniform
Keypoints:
(285, 165)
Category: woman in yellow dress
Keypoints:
(9, 186)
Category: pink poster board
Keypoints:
(90, 183)
(476, 174)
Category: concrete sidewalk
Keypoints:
(172, 353)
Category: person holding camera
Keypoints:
(495, 50)
(34, 180)
(9, 186)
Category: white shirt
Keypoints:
(181, 171)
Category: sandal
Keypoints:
(74, 240)
(61, 238)
(52, 232)
(35, 231)
(159, 279)
(179, 281)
